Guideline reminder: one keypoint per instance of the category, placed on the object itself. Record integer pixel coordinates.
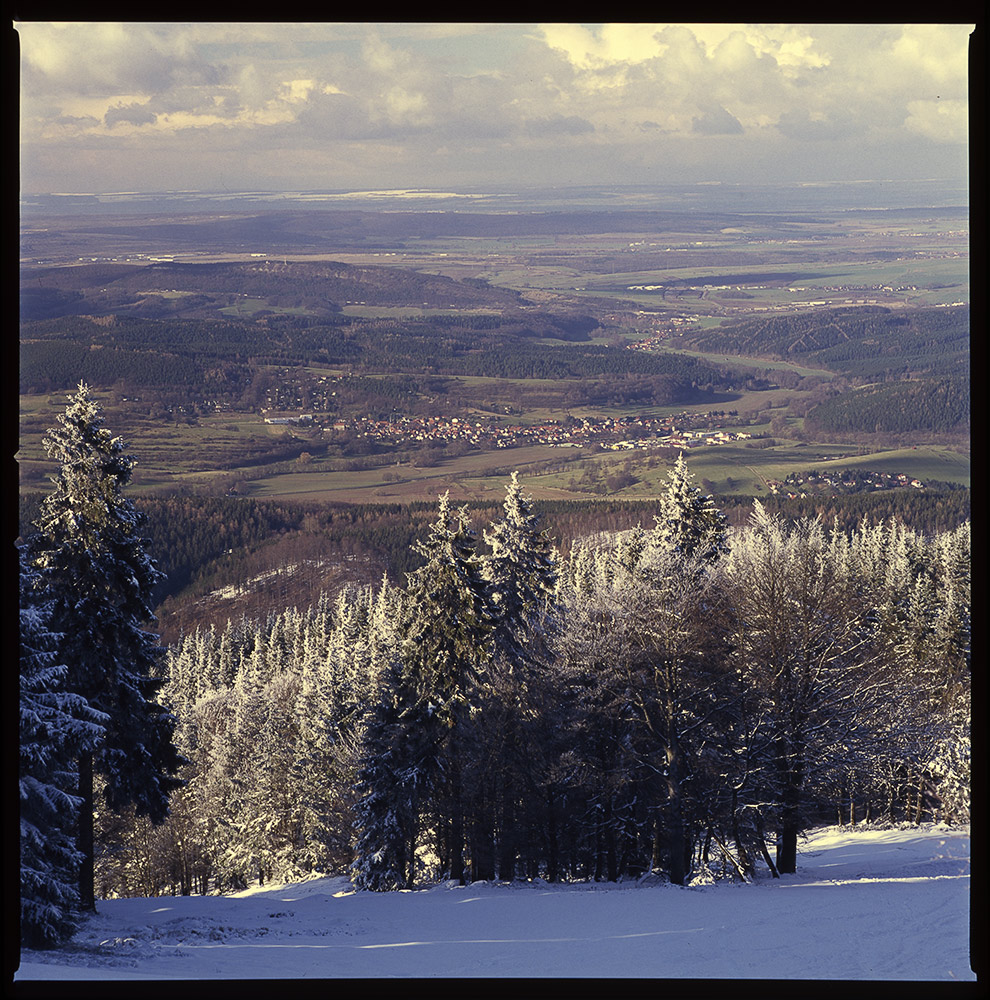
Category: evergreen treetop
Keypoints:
(688, 521)
(95, 572)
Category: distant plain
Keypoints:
(703, 270)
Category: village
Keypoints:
(683, 431)
(841, 481)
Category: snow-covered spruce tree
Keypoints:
(521, 571)
(55, 727)
(688, 522)
(95, 570)
(424, 709)
(399, 739)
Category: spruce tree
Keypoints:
(521, 571)
(391, 784)
(55, 726)
(446, 651)
(421, 723)
(95, 570)
(688, 521)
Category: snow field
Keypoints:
(865, 904)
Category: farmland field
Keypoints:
(752, 265)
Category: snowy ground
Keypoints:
(865, 904)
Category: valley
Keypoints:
(379, 359)
(505, 320)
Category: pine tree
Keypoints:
(422, 720)
(521, 571)
(94, 568)
(688, 521)
(55, 726)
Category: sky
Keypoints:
(111, 107)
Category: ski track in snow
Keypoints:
(864, 904)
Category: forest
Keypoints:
(676, 697)
(865, 343)
(661, 698)
(935, 405)
(270, 551)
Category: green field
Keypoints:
(486, 472)
(749, 362)
(410, 312)
(731, 470)
(248, 307)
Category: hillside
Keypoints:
(937, 405)
(868, 342)
(198, 290)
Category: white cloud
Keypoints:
(619, 98)
(941, 121)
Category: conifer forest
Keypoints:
(678, 696)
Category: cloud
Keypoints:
(105, 57)
(427, 101)
(716, 121)
(133, 114)
(558, 125)
(938, 120)
(805, 127)
(588, 48)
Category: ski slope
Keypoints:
(865, 904)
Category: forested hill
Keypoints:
(197, 290)
(933, 406)
(867, 342)
(219, 358)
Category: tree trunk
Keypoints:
(706, 847)
(552, 848)
(763, 848)
(507, 832)
(611, 866)
(84, 839)
(787, 844)
(791, 771)
(677, 851)
(456, 825)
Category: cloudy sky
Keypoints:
(212, 106)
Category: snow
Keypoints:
(865, 904)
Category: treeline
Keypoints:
(320, 287)
(666, 700)
(863, 342)
(294, 550)
(937, 405)
(219, 360)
